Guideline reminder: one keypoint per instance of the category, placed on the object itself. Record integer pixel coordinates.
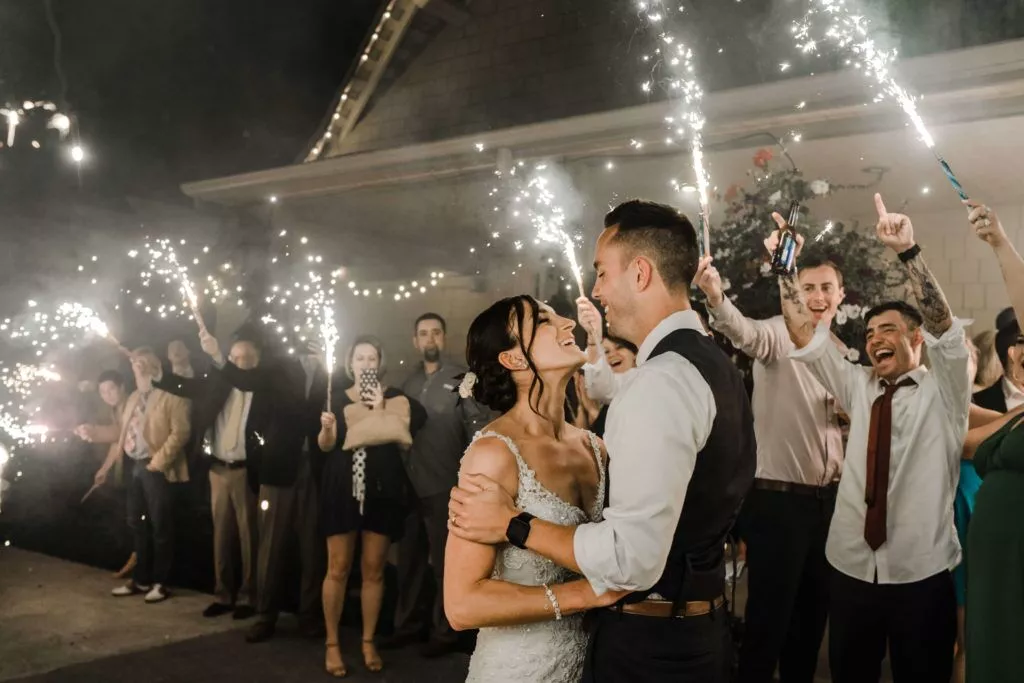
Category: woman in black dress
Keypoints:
(364, 489)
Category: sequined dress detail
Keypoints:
(548, 651)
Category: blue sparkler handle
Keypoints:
(952, 177)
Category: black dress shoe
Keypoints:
(243, 612)
(438, 648)
(216, 609)
(260, 631)
(397, 641)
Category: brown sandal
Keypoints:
(373, 662)
(337, 670)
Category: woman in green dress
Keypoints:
(995, 540)
(995, 560)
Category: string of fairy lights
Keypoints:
(15, 115)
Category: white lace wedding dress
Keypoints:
(547, 651)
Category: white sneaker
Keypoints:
(130, 588)
(158, 594)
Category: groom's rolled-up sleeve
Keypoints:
(656, 427)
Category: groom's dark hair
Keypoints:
(662, 234)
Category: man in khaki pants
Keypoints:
(154, 430)
(233, 420)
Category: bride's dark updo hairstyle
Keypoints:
(493, 332)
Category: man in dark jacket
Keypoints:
(229, 422)
(287, 494)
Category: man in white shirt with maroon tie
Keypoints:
(892, 542)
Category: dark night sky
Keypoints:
(167, 91)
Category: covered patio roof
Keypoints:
(398, 213)
(977, 84)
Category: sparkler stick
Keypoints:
(849, 31)
(88, 493)
(549, 220)
(683, 88)
(329, 332)
(85, 318)
(165, 250)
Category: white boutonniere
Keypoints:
(466, 387)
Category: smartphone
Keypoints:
(368, 383)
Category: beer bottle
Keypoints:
(784, 257)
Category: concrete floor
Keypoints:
(55, 613)
(58, 622)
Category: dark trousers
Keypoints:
(426, 534)
(788, 581)
(290, 511)
(916, 620)
(634, 649)
(151, 520)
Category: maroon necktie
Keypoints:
(876, 486)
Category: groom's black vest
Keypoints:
(721, 478)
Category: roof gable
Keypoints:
(510, 62)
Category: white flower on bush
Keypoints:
(853, 355)
(840, 317)
(775, 198)
(726, 285)
(820, 187)
(853, 312)
(766, 268)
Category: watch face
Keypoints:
(518, 531)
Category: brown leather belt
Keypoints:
(663, 608)
(790, 487)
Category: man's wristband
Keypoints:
(909, 254)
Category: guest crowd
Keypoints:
(864, 527)
(375, 469)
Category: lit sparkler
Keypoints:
(849, 31)
(329, 333)
(162, 251)
(81, 317)
(548, 217)
(685, 92)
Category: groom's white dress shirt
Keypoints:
(658, 422)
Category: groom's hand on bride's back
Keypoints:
(480, 510)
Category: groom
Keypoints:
(682, 456)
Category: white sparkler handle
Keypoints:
(328, 392)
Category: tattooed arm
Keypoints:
(896, 232)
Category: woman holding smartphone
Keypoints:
(364, 489)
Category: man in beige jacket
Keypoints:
(154, 431)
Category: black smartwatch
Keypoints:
(518, 529)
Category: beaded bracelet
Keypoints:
(554, 602)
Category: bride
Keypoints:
(528, 610)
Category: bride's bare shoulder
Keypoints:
(491, 456)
